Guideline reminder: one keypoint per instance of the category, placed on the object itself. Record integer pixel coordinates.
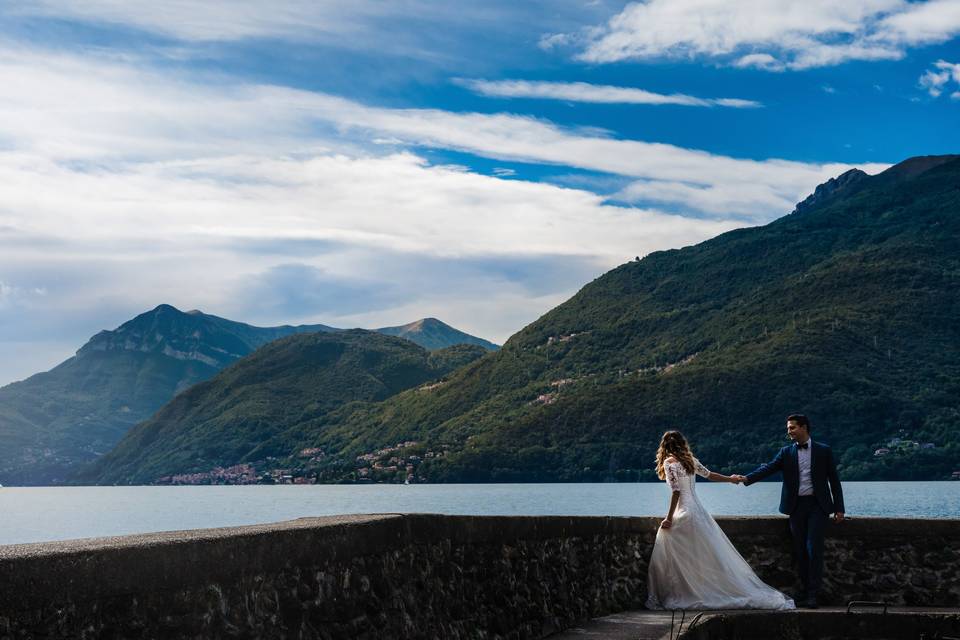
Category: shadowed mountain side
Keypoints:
(847, 311)
(223, 421)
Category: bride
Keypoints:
(694, 565)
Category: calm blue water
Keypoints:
(34, 514)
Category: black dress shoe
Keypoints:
(811, 603)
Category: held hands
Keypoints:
(738, 479)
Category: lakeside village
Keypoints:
(395, 464)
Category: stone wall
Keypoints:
(419, 576)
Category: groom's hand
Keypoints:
(738, 479)
(838, 516)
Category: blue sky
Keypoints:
(371, 163)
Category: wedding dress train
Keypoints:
(695, 566)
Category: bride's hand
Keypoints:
(666, 524)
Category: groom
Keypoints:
(807, 466)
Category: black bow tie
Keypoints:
(803, 446)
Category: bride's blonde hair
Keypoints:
(674, 444)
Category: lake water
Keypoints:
(34, 514)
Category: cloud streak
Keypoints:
(119, 115)
(594, 93)
(215, 21)
(123, 186)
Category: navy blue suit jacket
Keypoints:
(822, 470)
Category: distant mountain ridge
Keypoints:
(53, 421)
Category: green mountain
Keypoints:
(54, 421)
(228, 419)
(846, 310)
(430, 333)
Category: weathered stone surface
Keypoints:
(420, 576)
(827, 625)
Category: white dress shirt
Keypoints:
(803, 460)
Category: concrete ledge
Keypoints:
(421, 575)
(815, 625)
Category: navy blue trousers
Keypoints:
(807, 524)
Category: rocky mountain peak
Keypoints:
(169, 331)
(830, 188)
(431, 333)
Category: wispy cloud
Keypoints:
(236, 20)
(721, 199)
(519, 138)
(585, 92)
(119, 114)
(936, 80)
(394, 235)
(136, 189)
(122, 186)
(464, 36)
(773, 35)
(921, 23)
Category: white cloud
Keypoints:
(238, 19)
(737, 199)
(13, 295)
(521, 138)
(6, 293)
(122, 187)
(773, 35)
(585, 92)
(921, 23)
(395, 233)
(435, 33)
(763, 61)
(106, 113)
(550, 41)
(935, 80)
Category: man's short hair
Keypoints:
(801, 420)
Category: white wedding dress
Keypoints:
(695, 566)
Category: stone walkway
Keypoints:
(629, 625)
(656, 625)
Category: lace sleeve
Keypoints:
(700, 470)
(672, 477)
